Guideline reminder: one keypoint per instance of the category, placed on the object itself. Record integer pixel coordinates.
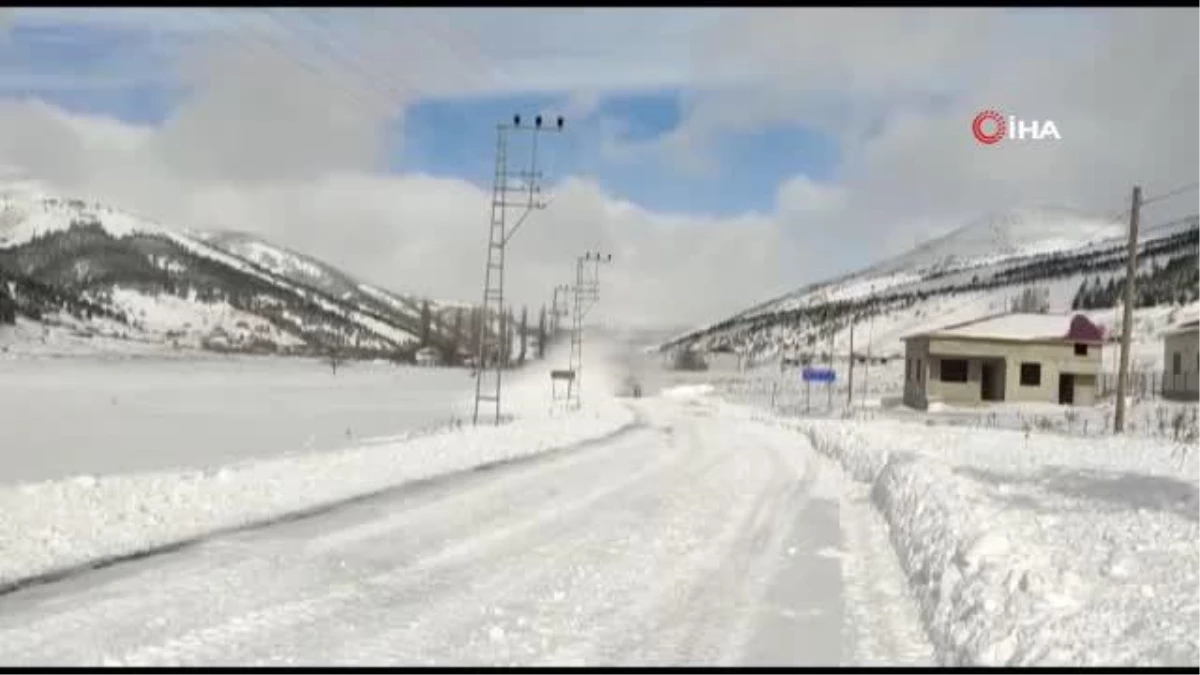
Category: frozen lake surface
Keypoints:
(93, 416)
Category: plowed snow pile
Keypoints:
(1040, 549)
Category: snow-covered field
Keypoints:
(691, 537)
(188, 415)
(95, 416)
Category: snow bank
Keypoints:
(1035, 549)
(61, 524)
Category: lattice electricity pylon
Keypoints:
(491, 343)
(587, 294)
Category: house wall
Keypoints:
(1184, 385)
(954, 392)
(1055, 358)
(916, 352)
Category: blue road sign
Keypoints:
(819, 374)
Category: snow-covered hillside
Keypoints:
(999, 236)
(977, 270)
(69, 261)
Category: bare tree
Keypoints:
(523, 333)
(541, 333)
(336, 355)
(426, 323)
(455, 345)
(475, 330)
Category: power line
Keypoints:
(1173, 193)
(1125, 212)
(351, 60)
(257, 41)
(433, 43)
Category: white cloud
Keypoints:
(410, 232)
(283, 130)
(1121, 86)
(800, 195)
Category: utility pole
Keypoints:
(850, 368)
(1127, 320)
(870, 342)
(829, 386)
(587, 294)
(870, 339)
(499, 235)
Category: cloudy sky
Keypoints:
(720, 155)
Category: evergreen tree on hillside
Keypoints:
(1081, 295)
(8, 307)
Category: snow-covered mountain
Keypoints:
(105, 271)
(309, 271)
(1008, 234)
(977, 269)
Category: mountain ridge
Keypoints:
(70, 260)
(1005, 251)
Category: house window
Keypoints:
(1176, 363)
(1080, 349)
(919, 370)
(1031, 374)
(954, 370)
(907, 369)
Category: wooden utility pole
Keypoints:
(1127, 313)
(850, 368)
(829, 384)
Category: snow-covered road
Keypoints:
(690, 538)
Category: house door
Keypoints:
(987, 382)
(1066, 389)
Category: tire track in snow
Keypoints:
(180, 594)
(258, 625)
(650, 538)
(708, 617)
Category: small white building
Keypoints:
(1011, 357)
(1181, 355)
(428, 356)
